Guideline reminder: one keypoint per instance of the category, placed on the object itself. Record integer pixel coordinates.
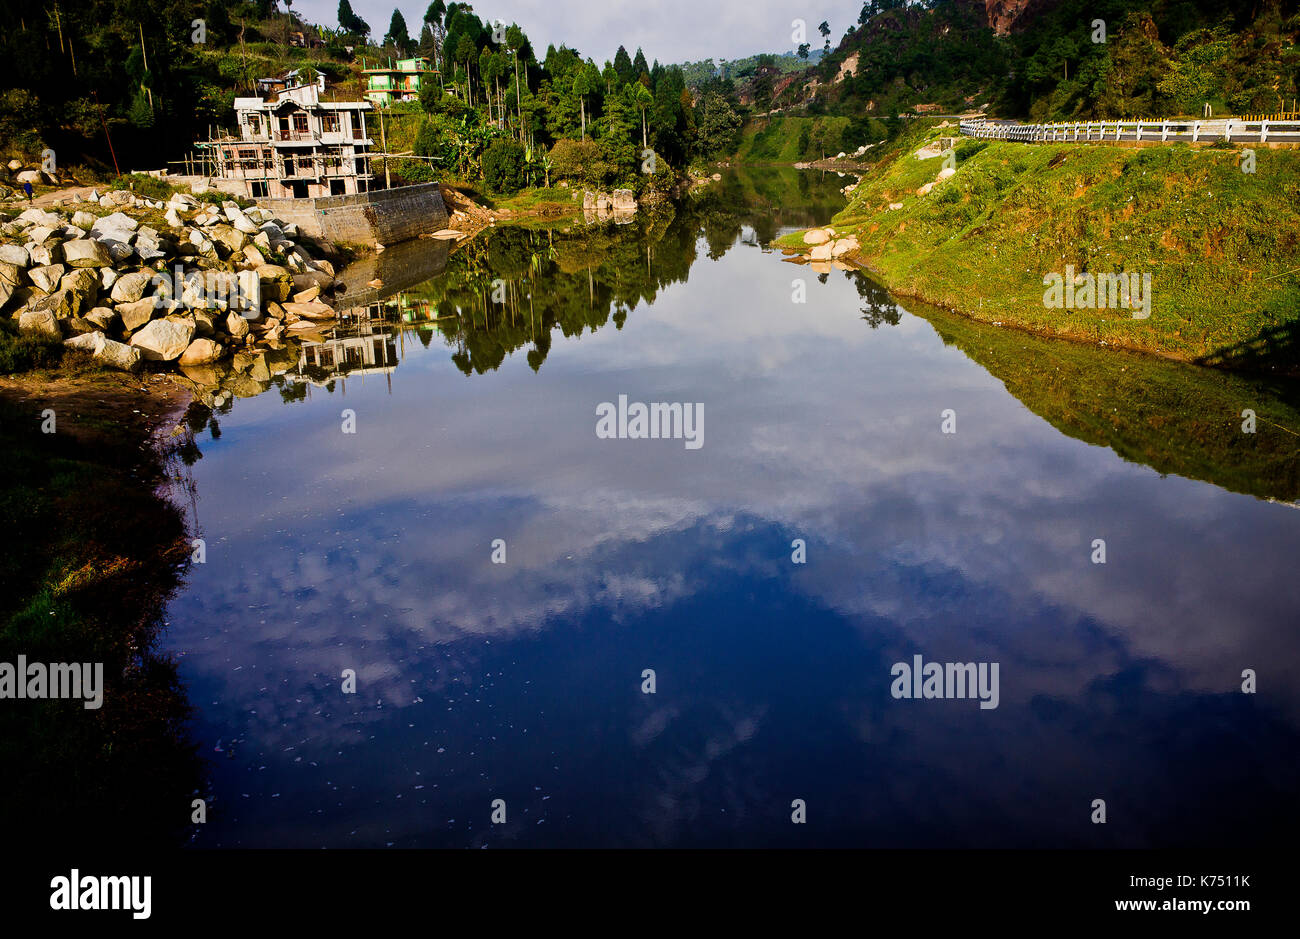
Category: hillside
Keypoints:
(1057, 59)
(1220, 245)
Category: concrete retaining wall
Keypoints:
(385, 216)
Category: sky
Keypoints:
(668, 30)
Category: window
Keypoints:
(259, 189)
(300, 123)
(329, 123)
(337, 187)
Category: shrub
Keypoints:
(149, 187)
(22, 351)
(579, 160)
(503, 166)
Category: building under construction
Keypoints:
(292, 144)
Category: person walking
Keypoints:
(27, 188)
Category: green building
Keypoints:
(400, 82)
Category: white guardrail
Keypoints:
(1231, 129)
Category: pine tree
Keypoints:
(397, 36)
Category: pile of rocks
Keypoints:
(825, 250)
(207, 284)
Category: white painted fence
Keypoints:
(1239, 130)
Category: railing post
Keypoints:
(1139, 131)
(1263, 131)
(1164, 131)
(1196, 130)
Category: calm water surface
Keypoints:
(522, 681)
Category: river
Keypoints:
(505, 584)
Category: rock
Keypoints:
(29, 176)
(314, 310)
(233, 239)
(83, 285)
(172, 219)
(119, 251)
(624, 200)
(11, 274)
(182, 201)
(39, 217)
(103, 317)
(84, 220)
(87, 342)
(131, 287)
(15, 166)
(40, 321)
(250, 294)
(204, 323)
(15, 254)
(148, 246)
(237, 326)
(46, 277)
(258, 369)
(946, 173)
(325, 267)
(119, 355)
(821, 252)
(107, 278)
(134, 315)
(117, 222)
(844, 246)
(253, 257)
(164, 340)
(44, 255)
(816, 236)
(308, 295)
(201, 352)
(895, 206)
(925, 190)
(275, 282)
(205, 376)
(85, 252)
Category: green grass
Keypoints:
(781, 139)
(1221, 245)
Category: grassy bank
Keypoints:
(90, 555)
(1175, 417)
(1222, 246)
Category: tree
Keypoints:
(825, 30)
(623, 65)
(397, 36)
(350, 23)
(582, 87)
(803, 51)
(465, 53)
(517, 45)
(639, 64)
(643, 99)
(433, 18)
(503, 166)
(719, 129)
